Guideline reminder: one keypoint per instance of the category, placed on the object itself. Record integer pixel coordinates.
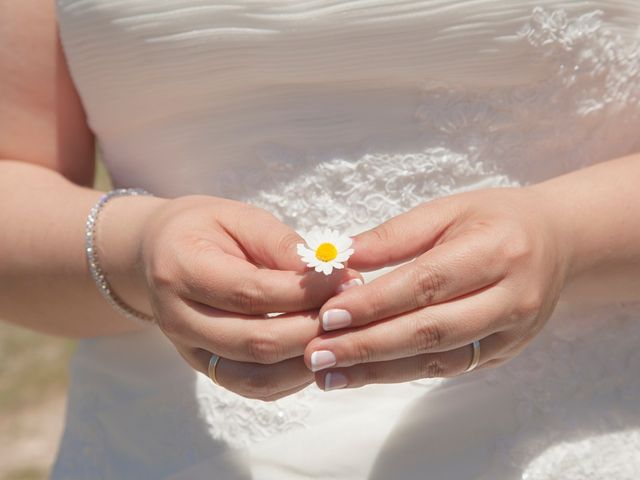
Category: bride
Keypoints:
(481, 156)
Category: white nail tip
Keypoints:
(334, 380)
(355, 282)
(335, 318)
(322, 359)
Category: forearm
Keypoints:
(597, 212)
(44, 279)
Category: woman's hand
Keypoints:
(489, 265)
(213, 269)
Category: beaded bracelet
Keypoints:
(93, 261)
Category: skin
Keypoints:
(489, 264)
(207, 268)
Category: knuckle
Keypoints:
(259, 385)
(428, 284)
(263, 347)
(287, 244)
(516, 246)
(427, 336)
(431, 367)
(171, 327)
(370, 375)
(160, 273)
(383, 233)
(249, 297)
(529, 306)
(376, 305)
(362, 352)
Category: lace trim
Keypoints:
(499, 136)
(580, 363)
(492, 139)
(240, 421)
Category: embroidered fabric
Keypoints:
(448, 136)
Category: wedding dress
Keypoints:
(346, 113)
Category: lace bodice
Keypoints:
(346, 113)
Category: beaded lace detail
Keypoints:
(492, 138)
(499, 137)
(240, 421)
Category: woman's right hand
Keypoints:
(213, 268)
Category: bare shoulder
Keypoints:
(41, 117)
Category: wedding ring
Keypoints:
(213, 363)
(475, 359)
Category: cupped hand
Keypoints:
(213, 269)
(487, 265)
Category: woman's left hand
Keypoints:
(488, 265)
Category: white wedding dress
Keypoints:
(346, 113)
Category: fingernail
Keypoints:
(354, 282)
(334, 380)
(335, 318)
(322, 359)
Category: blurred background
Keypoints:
(33, 381)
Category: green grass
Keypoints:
(26, 474)
(33, 371)
(34, 367)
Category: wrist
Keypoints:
(561, 226)
(121, 228)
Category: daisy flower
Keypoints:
(326, 250)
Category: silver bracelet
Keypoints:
(93, 261)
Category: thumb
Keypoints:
(401, 238)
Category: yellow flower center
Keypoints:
(326, 252)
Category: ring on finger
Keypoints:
(213, 364)
(475, 358)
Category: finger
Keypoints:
(430, 365)
(235, 285)
(452, 269)
(402, 237)
(254, 380)
(432, 329)
(286, 393)
(243, 338)
(267, 240)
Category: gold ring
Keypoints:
(475, 359)
(213, 363)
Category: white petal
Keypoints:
(313, 240)
(328, 235)
(342, 257)
(327, 269)
(342, 243)
(304, 251)
(312, 262)
(337, 265)
(320, 268)
(301, 249)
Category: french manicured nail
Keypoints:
(335, 318)
(322, 359)
(334, 380)
(354, 282)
